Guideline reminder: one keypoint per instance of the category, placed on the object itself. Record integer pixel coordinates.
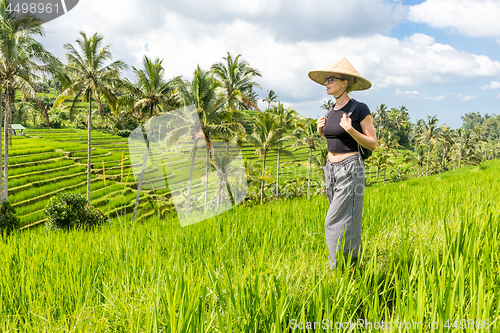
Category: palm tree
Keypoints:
(235, 78)
(287, 120)
(85, 73)
(150, 91)
(21, 56)
(466, 151)
(205, 93)
(229, 174)
(266, 135)
(1, 176)
(327, 104)
(379, 159)
(447, 142)
(184, 125)
(90, 78)
(402, 117)
(271, 97)
(380, 118)
(429, 133)
(312, 139)
(294, 188)
(319, 162)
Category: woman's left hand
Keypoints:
(346, 123)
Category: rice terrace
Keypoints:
(112, 221)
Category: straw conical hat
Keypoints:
(342, 69)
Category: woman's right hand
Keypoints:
(321, 123)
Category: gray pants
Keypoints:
(345, 187)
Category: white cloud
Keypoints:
(168, 31)
(295, 20)
(492, 85)
(468, 17)
(416, 94)
(464, 98)
(408, 93)
(436, 98)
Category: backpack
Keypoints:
(364, 152)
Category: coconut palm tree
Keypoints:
(312, 139)
(430, 134)
(379, 159)
(287, 120)
(91, 79)
(150, 91)
(447, 143)
(235, 78)
(402, 117)
(86, 73)
(215, 117)
(327, 104)
(270, 98)
(380, 118)
(21, 57)
(266, 136)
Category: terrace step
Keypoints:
(45, 182)
(50, 194)
(21, 175)
(35, 163)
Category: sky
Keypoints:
(436, 57)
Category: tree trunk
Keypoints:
(44, 112)
(191, 177)
(206, 178)
(444, 157)
(71, 115)
(140, 180)
(262, 180)
(101, 110)
(278, 174)
(1, 161)
(427, 167)
(89, 147)
(7, 126)
(460, 155)
(309, 176)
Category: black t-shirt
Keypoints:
(338, 140)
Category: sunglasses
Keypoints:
(329, 79)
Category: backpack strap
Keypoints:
(353, 107)
(351, 110)
(329, 110)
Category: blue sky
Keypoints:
(436, 57)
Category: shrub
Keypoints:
(95, 216)
(8, 219)
(123, 133)
(55, 124)
(69, 210)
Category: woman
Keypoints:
(344, 169)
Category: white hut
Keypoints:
(18, 127)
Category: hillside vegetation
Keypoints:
(47, 162)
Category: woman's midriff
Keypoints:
(337, 157)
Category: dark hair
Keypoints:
(351, 81)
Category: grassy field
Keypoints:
(430, 264)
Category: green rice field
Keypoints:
(430, 264)
(46, 162)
